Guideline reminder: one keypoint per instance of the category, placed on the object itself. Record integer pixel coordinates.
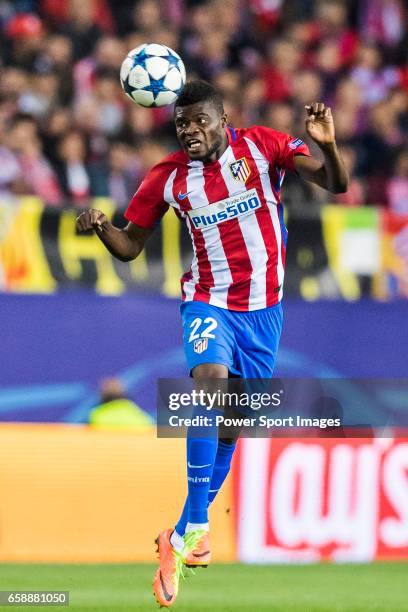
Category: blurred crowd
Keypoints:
(68, 133)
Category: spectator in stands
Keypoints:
(42, 95)
(284, 59)
(307, 86)
(119, 178)
(348, 96)
(382, 21)
(147, 17)
(72, 168)
(140, 122)
(14, 83)
(81, 27)
(10, 172)
(397, 186)
(116, 411)
(59, 13)
(254, 95)
(38, 175)
(58, 123)
(61, 62)
(373, 79)
(24, 36)
(150, 152)
(332, 25)
(380, 142)
(280, 116)
(328, 61)
(125, 173)
(108, 53)
(355, 192)
(103, 109)
(56, 56)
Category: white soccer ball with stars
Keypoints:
(152, 75)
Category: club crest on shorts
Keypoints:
(200, 345)
(240, 169)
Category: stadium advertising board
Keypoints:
(322, 499)
(41, 251)
(78, 495)
(40, 381)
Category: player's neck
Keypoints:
(216, 154)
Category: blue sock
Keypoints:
(221, 468)
(201, 454)
(183, 520)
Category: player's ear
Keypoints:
(224, 120)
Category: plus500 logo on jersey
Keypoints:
(239, 205)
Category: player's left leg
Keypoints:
(256, 336)
(222, 465)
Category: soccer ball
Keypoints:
(152, 75)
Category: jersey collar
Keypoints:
(231, 134)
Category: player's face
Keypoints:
(201, 131)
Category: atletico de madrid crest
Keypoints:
(201, 345)
(240, 170)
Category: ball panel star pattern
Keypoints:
(156, 71)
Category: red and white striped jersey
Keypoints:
(233, 212)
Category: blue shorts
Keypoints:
(245, 342)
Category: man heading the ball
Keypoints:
(225, 185)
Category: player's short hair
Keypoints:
(200, 91)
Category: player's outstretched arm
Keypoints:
(331, 174)
(124, 244)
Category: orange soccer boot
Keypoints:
(167, 577)
(197, 552)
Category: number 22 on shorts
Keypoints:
(209, 324)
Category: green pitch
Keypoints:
(381, 587)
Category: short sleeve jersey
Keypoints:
(234, 215)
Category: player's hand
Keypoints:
(319, 124)
(91, 219)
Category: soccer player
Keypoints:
(224, 183)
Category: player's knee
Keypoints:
(210, 370)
